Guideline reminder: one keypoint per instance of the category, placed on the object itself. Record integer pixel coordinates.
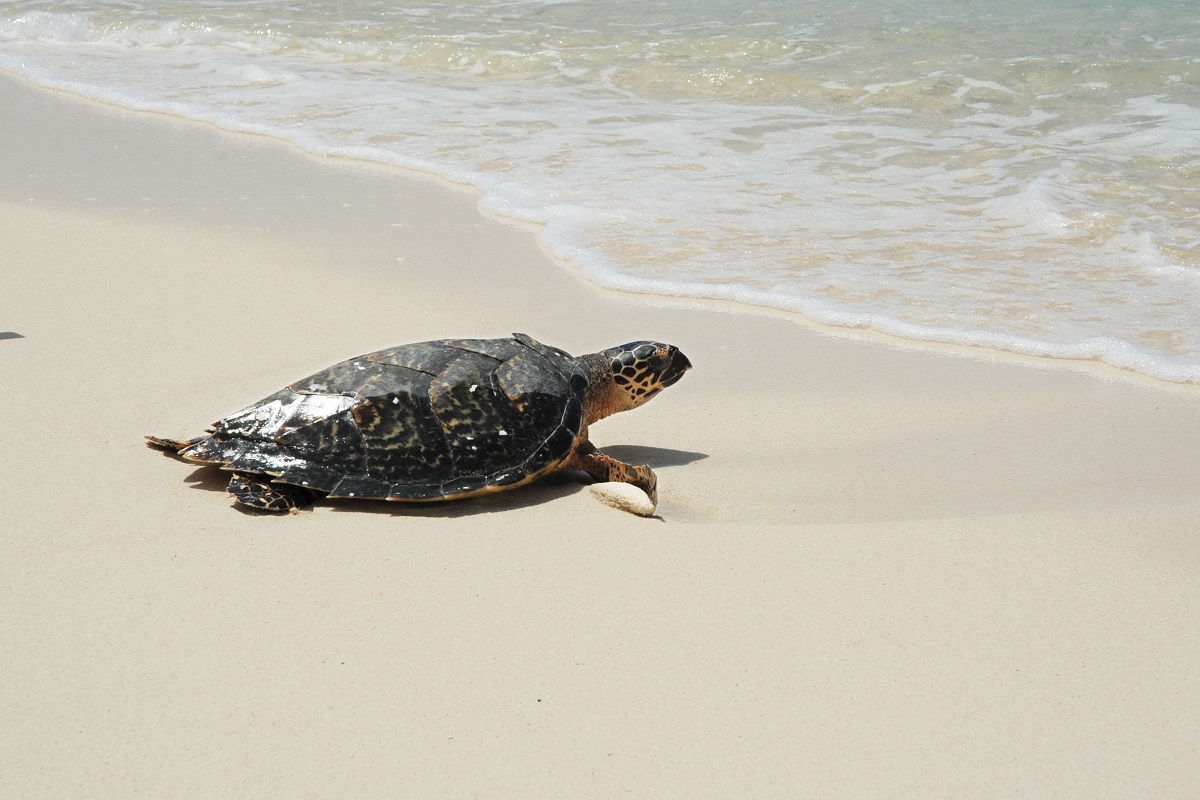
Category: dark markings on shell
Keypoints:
(215, 449)
(402, 440)
(268, 458)
(482, 429)
(528, 376)
(360, 486)
(465, 485)
(563, 360)
(336, 436)
(507, 477)
(333, 380)
(416, 422)
(546, 452)
(572, 418)
(313, 475)
(499, 349)
(415, 491)
(428, 357)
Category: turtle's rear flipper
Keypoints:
(258, 493)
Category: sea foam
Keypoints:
(1018, 182)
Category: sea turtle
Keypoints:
(435, 421)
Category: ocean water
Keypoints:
(1019, 175)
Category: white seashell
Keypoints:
(623, 496)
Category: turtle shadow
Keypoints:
(209, 479)
(214, 479)
(10, 335)
(654, 456)
(547, 490)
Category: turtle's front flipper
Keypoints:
(603, 467)
(257, 492)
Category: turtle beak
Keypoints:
(677, 364)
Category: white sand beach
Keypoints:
(876, 570)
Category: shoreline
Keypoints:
(1093, 365)
(877, 570)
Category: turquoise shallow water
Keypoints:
(1020, 175)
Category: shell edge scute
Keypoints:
(359, 487)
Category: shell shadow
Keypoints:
(654, 456)
(209, 479)
(547, 490)
(10, 335)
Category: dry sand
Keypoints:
(878, 571)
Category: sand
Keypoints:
(876, 571)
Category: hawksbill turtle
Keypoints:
(434, 421)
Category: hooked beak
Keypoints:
(678, 365)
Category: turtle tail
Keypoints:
(172, 444)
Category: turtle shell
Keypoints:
(419, 422)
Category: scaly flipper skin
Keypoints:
(255, 492)
(604, 468)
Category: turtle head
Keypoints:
(634, 373)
